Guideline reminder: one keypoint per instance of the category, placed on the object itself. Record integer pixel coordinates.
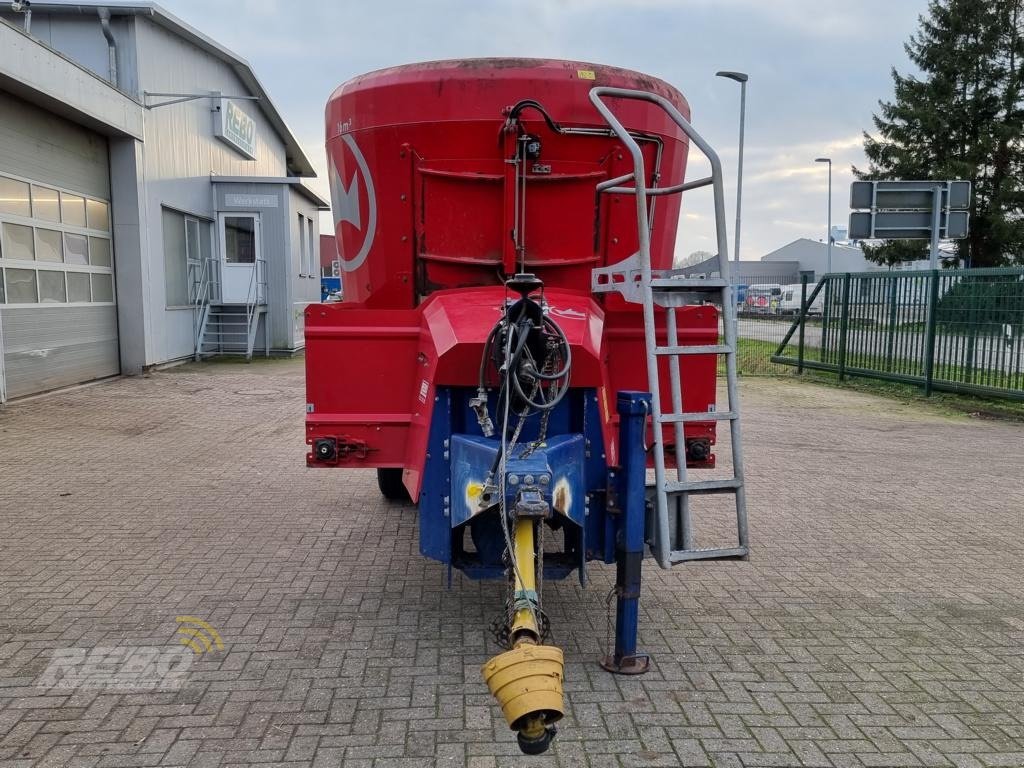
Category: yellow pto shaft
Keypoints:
(524, 621)
(527, 680)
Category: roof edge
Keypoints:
(295, 156)
(34, 72)
(294, 181)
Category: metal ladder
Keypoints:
(635, 280)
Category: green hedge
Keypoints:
(983, 300)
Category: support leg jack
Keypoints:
(633, 408)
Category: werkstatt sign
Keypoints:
(235, 128)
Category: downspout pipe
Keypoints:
(104, 15)
(24, 7)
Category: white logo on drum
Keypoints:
(345, 200)
(568, 313)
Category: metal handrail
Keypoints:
(640, 184)
(255, 298)
(203, 295)
(662, 539)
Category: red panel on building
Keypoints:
(328, 256)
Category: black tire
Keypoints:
(389, 480)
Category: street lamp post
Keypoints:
(828, 231)
(741, 78)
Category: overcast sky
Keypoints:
(817, 69)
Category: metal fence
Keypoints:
(949, 330)
(766, 306)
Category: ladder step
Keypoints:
(695, 349)
(684, 555)
(686, 418)
(704, 486)
(712, 284)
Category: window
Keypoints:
(186, 246)
(240, 239)
(45, 203)
(51, 286)
(311, 243)
(21, 286)
(97, 215)
(102, 287)
(192, 240)
(76, 248)
(175, 259)
(54, 245)
(78, 287)
(49, 245)
(18, 242)
(72, 209)
(99, 252)
(14, 197)
(302, 246)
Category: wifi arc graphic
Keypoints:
(198, 635)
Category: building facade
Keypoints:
(789, 264)
(152, 203)
(812, 257)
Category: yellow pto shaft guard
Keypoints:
(527, 682)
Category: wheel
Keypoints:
(389, 480)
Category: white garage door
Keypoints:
(58, 316)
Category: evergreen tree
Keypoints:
(962, 118)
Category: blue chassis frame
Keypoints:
(602, 509)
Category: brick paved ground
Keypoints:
(880, 621)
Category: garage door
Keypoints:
(58, 316)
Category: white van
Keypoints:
(789, 301)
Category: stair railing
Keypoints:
(205, 282)
(255, 299)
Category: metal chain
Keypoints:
(540, 565)
(542, 434)
(545, 416)
(499, 628)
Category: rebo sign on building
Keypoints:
(234, 127)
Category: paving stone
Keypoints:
(879, 620)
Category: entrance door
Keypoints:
(239, 248)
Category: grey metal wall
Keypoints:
(50, 347)
(41, 146)
(180, 156)
(276, 242)
(79, 38)
(304, 290)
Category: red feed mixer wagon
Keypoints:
(513, 349)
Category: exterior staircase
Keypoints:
(228, 329)
(231, 329)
